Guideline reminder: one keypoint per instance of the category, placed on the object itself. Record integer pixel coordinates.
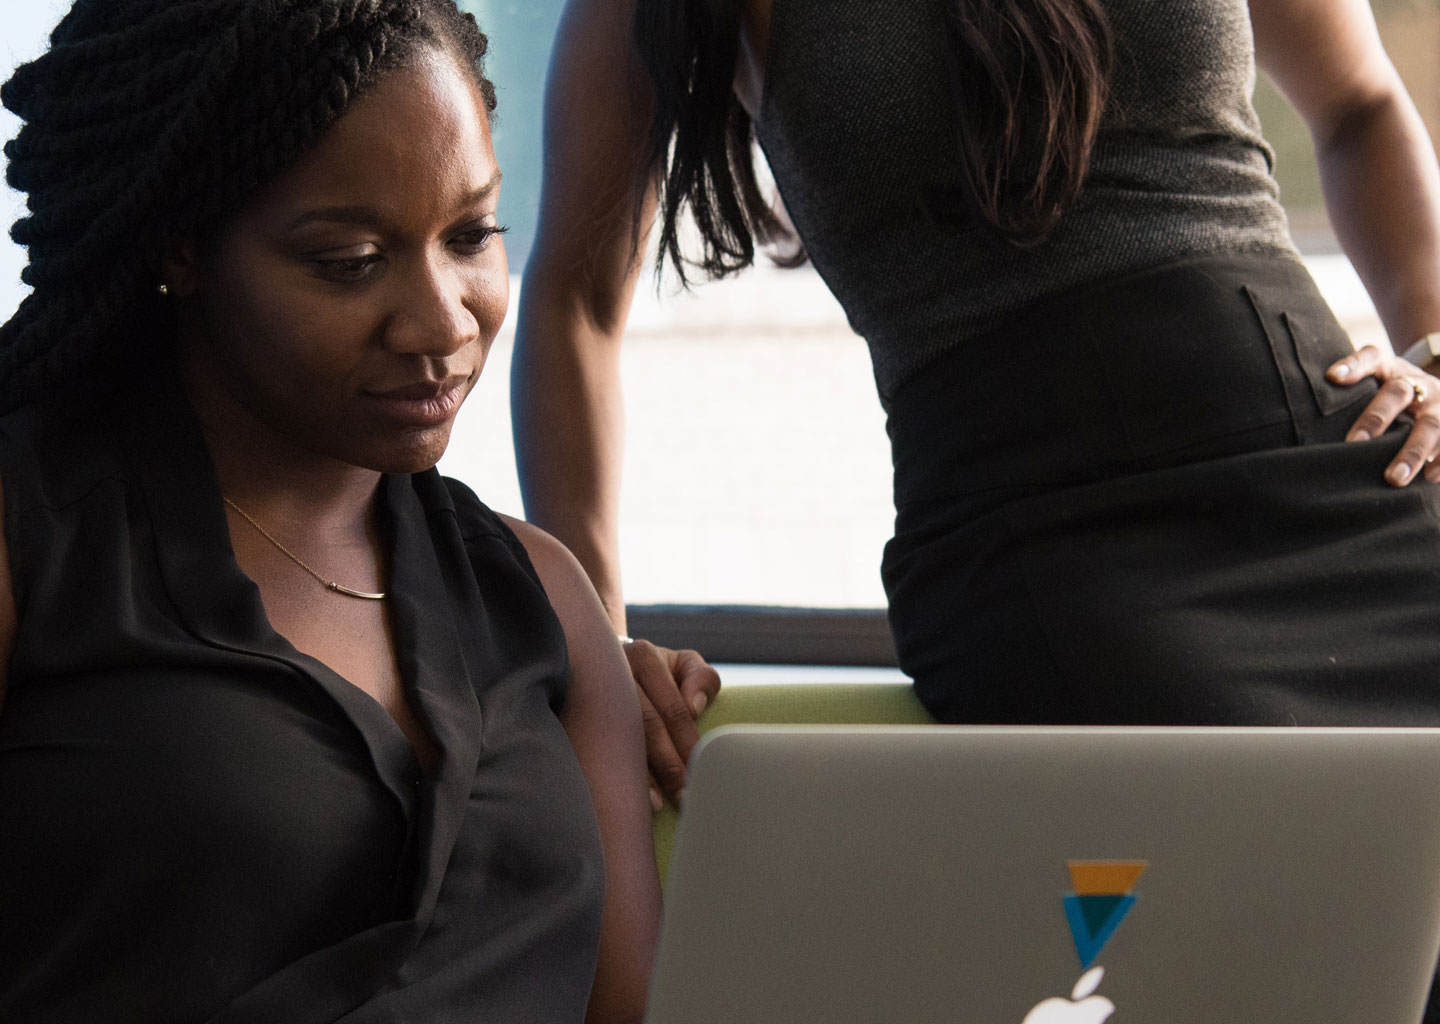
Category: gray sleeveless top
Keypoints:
(857, 125)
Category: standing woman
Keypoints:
(1118, 406)
(294, 729)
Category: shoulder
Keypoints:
(64, 470)
(27, 464)
(571, 594)
(543, 557)
(51, 454)
(481, 527)
(559, 571)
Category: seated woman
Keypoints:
(294, 729)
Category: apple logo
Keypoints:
(1080, 1008)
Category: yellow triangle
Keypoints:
(1105, 877)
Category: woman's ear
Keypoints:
(179, 275)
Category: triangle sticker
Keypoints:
(1093, 920)
(1097, 910)
(1105, 877)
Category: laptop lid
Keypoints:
(910, 875)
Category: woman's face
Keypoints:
(347, 311)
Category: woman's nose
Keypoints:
(435, 314)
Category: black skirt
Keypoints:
(1133, 504)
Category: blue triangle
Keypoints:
(1093, 920)
(1097, 909)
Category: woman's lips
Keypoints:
(422, 404)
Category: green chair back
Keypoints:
(798, 704)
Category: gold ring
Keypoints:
(1417, 389)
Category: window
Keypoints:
(757, 467)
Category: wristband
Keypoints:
(1426, 350)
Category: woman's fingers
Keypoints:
(699, 682)
(1389, 402)
(667, 768)
(1424, 440)
(1404, 388)
(1356, 366)
(1394, 397)
(670, 732)
(675, 687)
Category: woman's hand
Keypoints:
(675, 686)
(1404, 388)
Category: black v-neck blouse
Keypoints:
(200, 823)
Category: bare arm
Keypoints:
(602, 719)
(581, 275)
(1377, 163)
(596, 208)
(1382, 190)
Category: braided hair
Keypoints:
(154, 119)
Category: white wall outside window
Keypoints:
(24, 30)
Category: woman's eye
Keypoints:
(345, 269)
(477, 239)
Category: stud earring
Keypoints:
(164, 289)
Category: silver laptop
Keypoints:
(948, 875)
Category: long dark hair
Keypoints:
(1029, 80)
(154, 118)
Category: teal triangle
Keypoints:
(1097, 910)
(1093, 920)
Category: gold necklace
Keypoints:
(327, 584)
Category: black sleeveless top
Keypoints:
(202, 824)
